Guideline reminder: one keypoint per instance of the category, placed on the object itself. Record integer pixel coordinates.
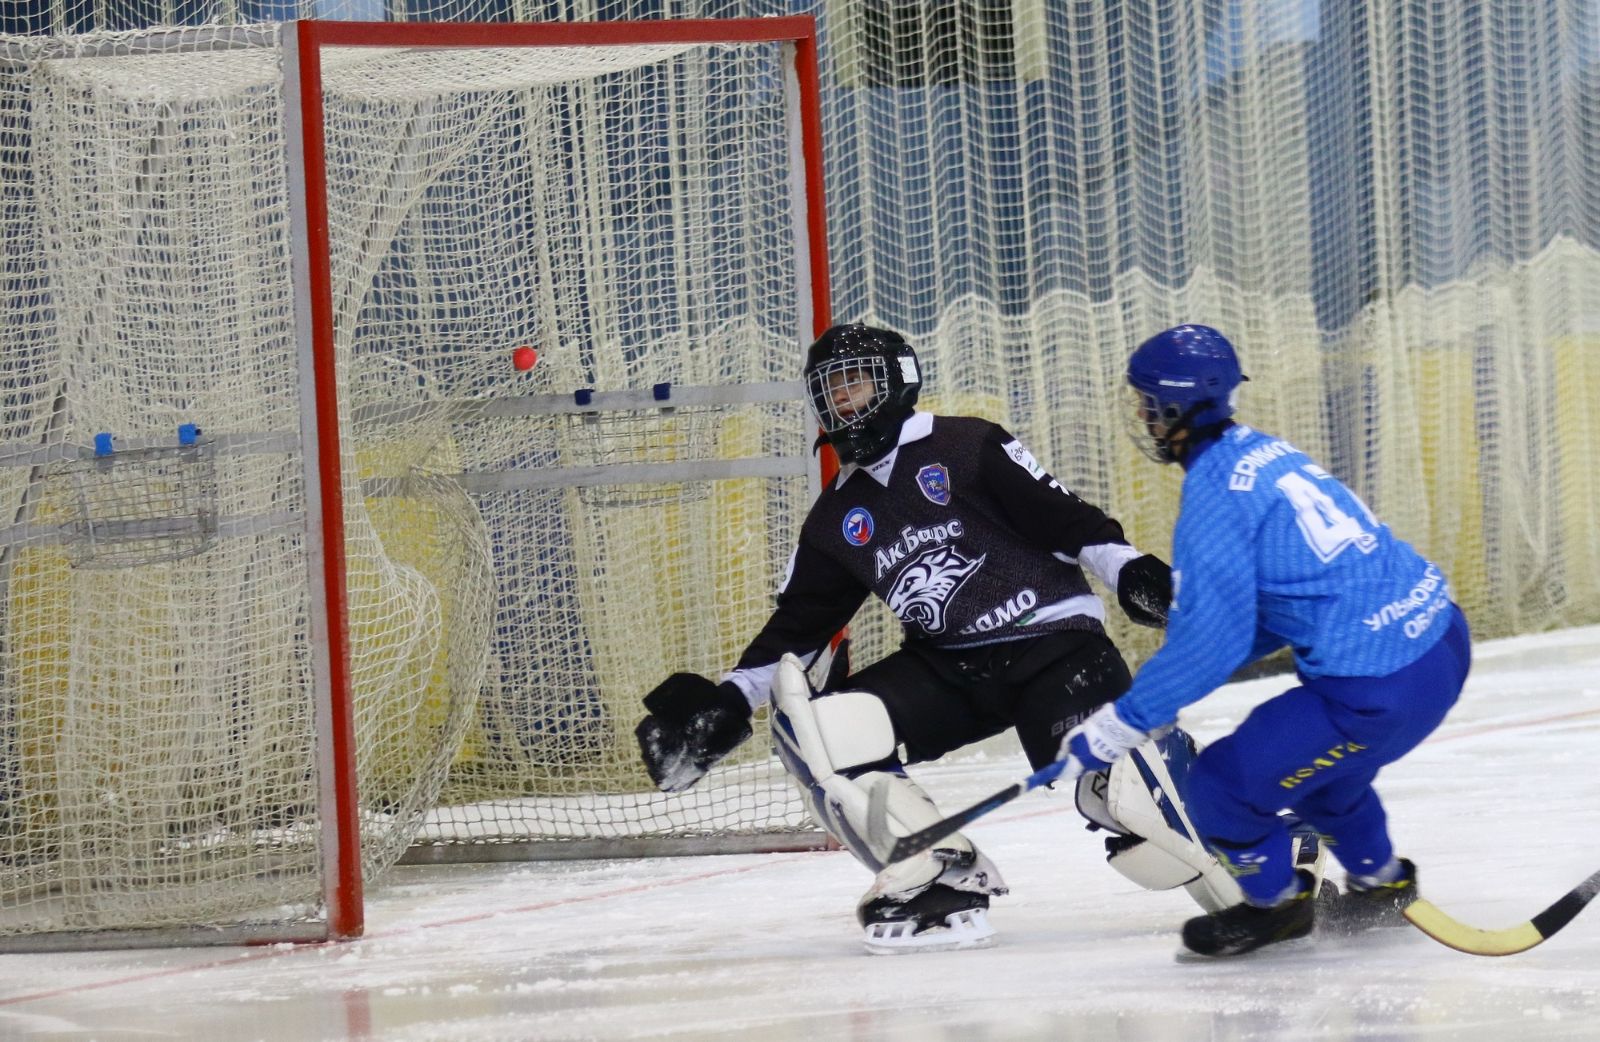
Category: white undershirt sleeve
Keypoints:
(1105, 560)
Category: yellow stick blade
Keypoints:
(1427, 917)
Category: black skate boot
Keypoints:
(1245, 927)
(938, 918)
(1368, 907)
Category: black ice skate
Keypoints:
(1245, 927)
(1367, 907)
(936, 919)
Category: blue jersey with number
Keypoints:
(1271, 550)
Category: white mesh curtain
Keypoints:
(1382, 203)
(1390, 205)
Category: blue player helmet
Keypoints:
(1182, 379)
(862, 383)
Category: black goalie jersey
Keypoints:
(959, 531)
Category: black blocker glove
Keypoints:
(1144, 589)
(692, 723)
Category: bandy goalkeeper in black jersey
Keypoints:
(980, 553)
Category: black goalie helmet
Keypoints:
(862, 383)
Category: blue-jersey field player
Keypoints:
(1270, 550)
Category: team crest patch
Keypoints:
(934, 481)
(858, 527)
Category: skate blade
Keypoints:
(964, 930)
(1344, 931)
(1289, 947)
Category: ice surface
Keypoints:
(1501, 809)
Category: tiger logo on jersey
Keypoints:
(926, 586)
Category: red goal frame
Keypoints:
(303, 43)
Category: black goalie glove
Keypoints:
(1144, 589)
(693, 723)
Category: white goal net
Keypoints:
(526, 551)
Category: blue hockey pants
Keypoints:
(1315, 750)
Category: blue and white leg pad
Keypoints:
(1139, 800)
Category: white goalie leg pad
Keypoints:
(955, 862)
(1142, 798)
(841, 748)
(826, 743)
